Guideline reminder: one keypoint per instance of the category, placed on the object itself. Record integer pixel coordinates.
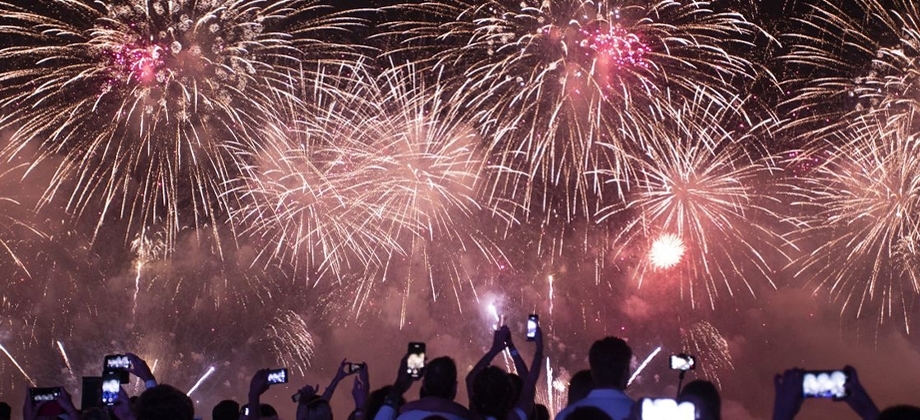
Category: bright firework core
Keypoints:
(615, 45)
(666, 251)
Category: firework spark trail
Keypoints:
(862, 218)
(143, 98)
(201, 380)
(643, 365)
(66, 359)
(561, 89)
(704, 340)
(10, 356)
(700, 183)
(852, 62)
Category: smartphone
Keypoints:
(111, 385)
(825, 384)
(416, 360)
(277, 376)
(355, 367)
(532, 321)
(667, 409)
(117, 363)
(683, 362)
(38, 395)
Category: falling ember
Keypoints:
(666, 251)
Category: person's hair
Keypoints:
(609, 359)
(226, 410)
(440, 378)
(707, 394)
(900, 412)
(375, 401)
(5, 411)
(164, 402)
(492, 393)
(317, 409)
(588, 413)
(580, 385)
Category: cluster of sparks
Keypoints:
(416, 152)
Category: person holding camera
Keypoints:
(790, 393)
(492, 393)
(609, 362)
(439, 388)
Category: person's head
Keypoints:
(900, 412)
(440, 378)
(705, 396)
(609, 360)
(267, 412)
(317, 409)
(164, 402)
(492, 393)
(588, 413)
(226, 410)
(5, 411)
(580, 385)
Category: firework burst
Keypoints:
(851, 62)
(564, 89)
(699, 187)
(374, 180)
(861, 223)
(141, 97)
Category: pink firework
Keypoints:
(615, 47)
(141, 63)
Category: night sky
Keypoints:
(85, 285)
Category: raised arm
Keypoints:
(529, 390)
(498, 344)
(339, 375)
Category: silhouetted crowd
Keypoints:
(494, 394)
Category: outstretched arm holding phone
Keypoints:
(524, 403)
(499, 340)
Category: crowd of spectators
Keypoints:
(597, 393)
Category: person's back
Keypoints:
(609, 360)
(493, 394)
(439, 388)
(164, 402)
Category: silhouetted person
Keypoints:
(5, 411)
(164, 402)
(226, 410)
(439, 387)
(375, 400)
(705, 397)
(580, 385)
(493, 394)
(609, 360)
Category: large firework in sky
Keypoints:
(139, 99)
